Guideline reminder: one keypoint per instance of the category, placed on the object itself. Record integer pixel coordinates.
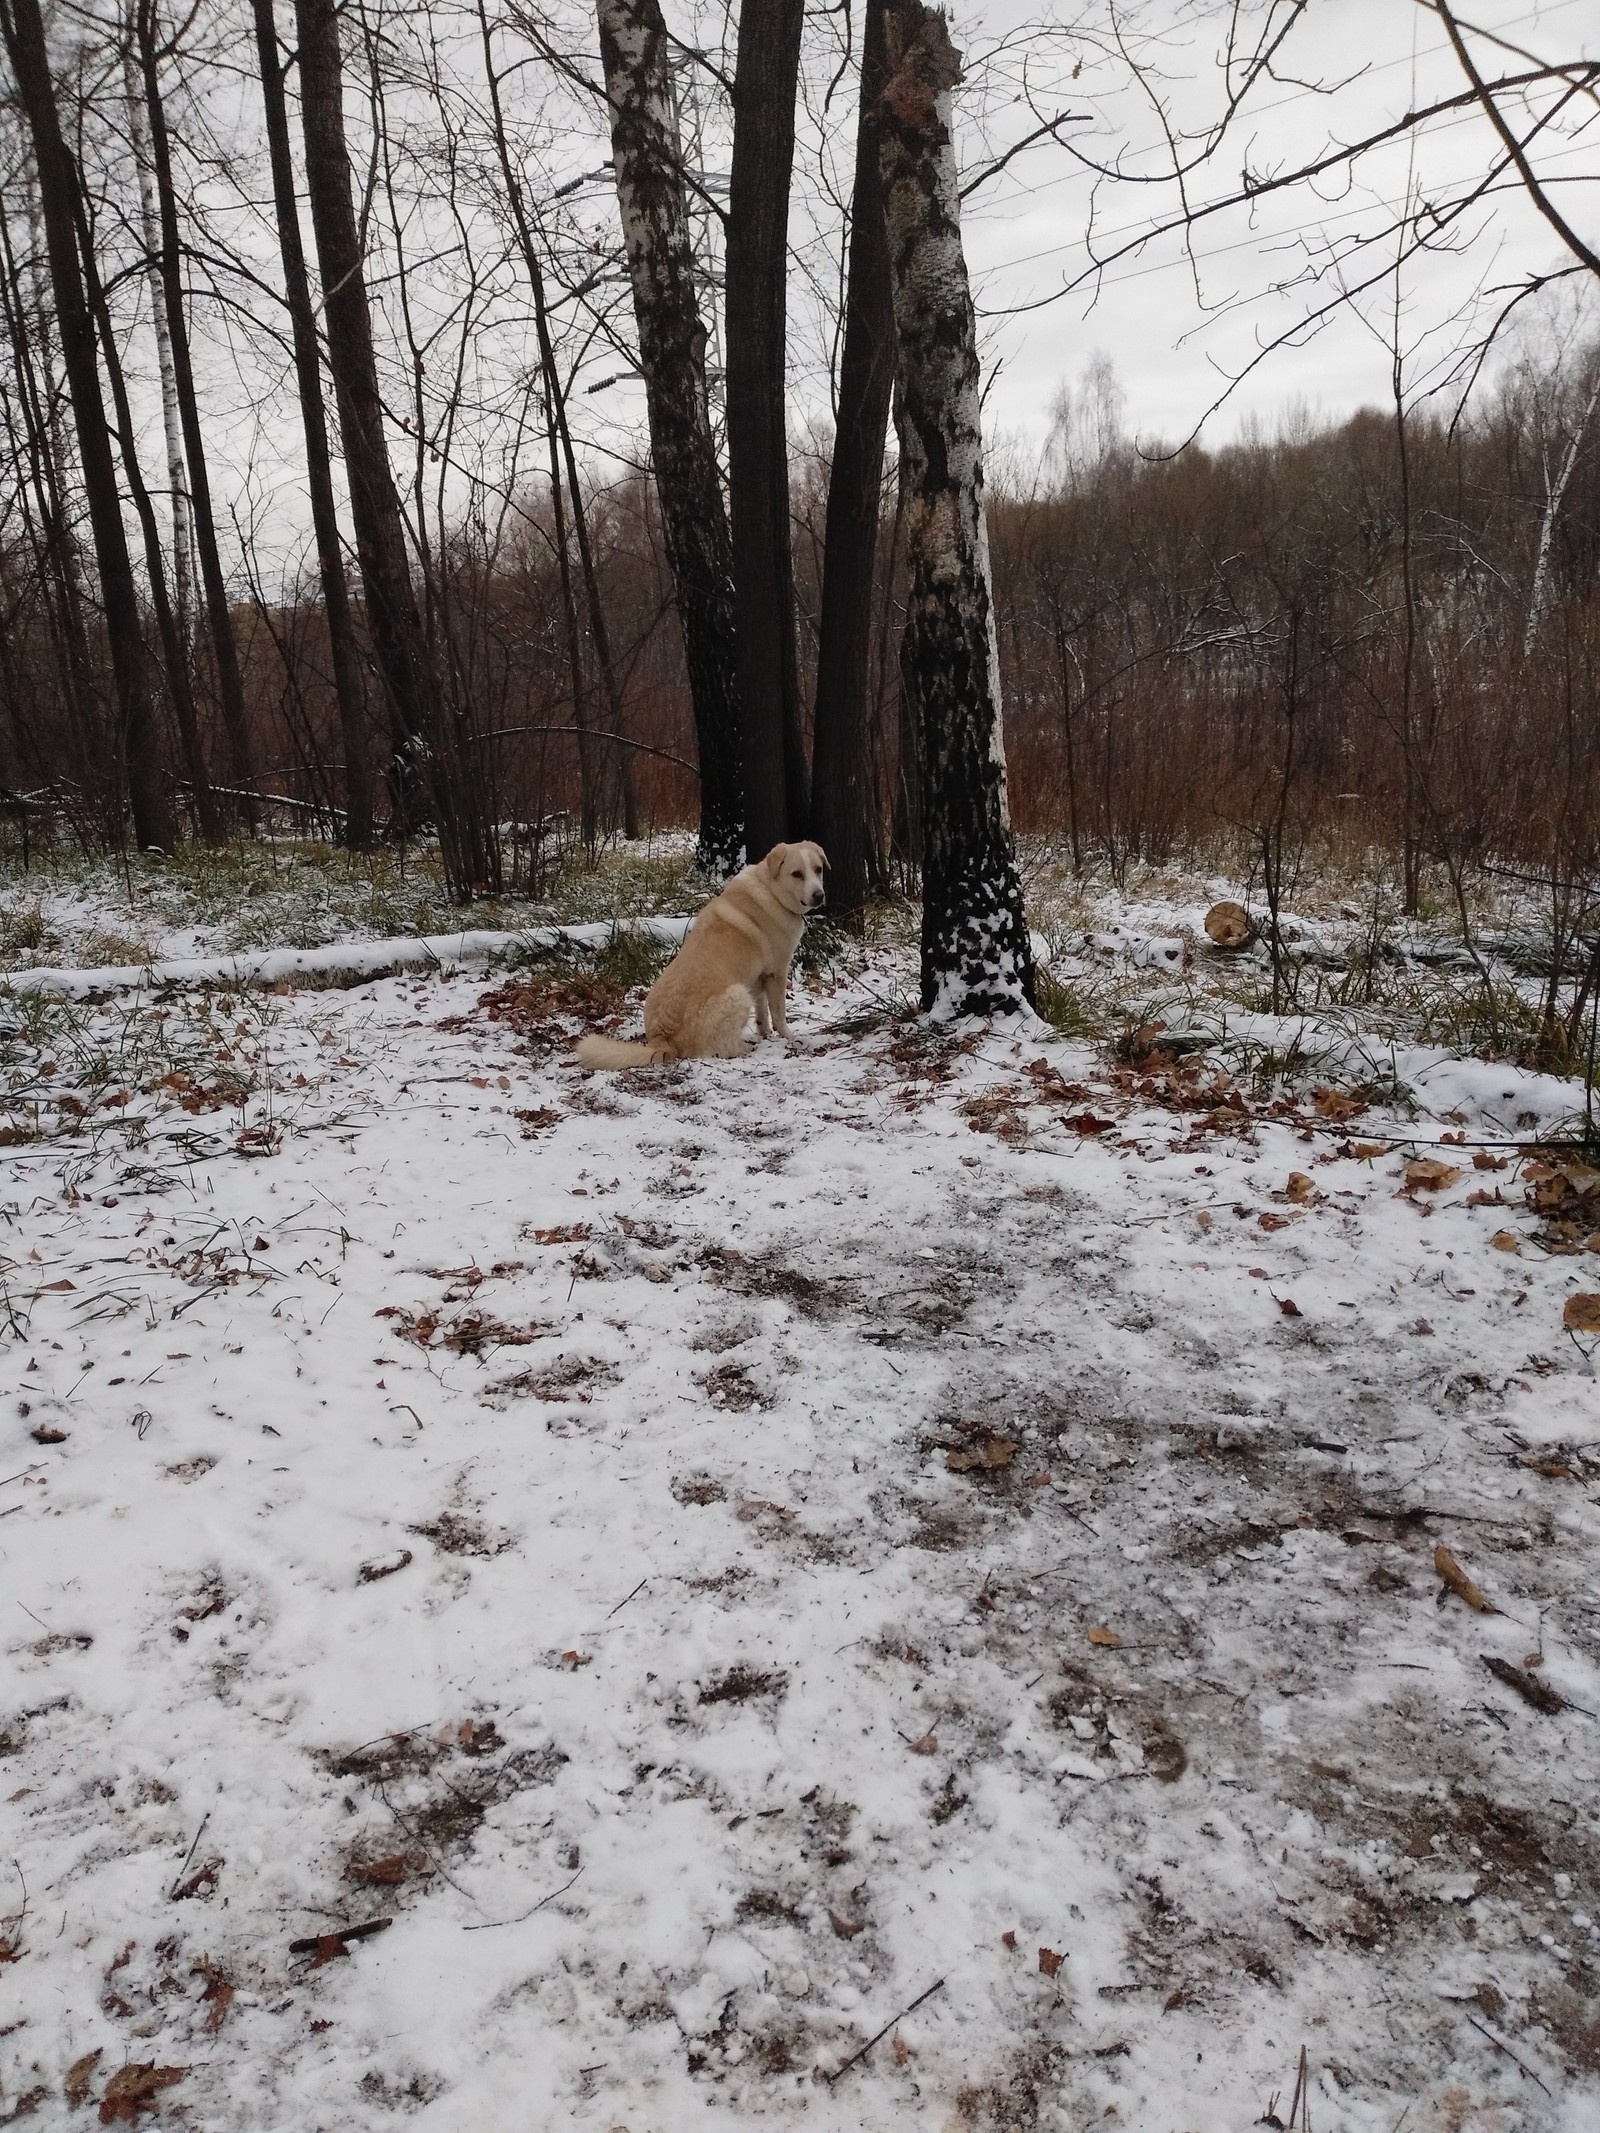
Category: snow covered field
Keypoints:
(916, 1538)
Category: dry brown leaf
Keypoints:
(1368, 1151)
(992, 1453)
(1289, 1308)
(1335, 1104)
(1480, 1198)
(1271, 1221)
(928, 1745)
(381, 1873)
(79, 2076)
(1505, 1240)
(1581, 1313)
(902, 2050)
(133, 2089)
(1301, 1187)
(1050, 1962)
(217, 1997)
(1483, 1160)
(1426, 1173)
(1106, 1637)
(1203, 1218)
(1458, 1581)
(1009, 1940)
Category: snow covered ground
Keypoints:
(910, 1537)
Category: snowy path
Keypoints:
(715, 1554)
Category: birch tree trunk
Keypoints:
(648, 161)
(1554, 492)
(855, 497)
(349, 691)
(22, 27)
(766, 80)
(172, 428)
(976, 958)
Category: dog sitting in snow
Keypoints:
(734, 957)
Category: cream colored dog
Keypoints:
(734, 957)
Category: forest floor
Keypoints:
(891, 1583)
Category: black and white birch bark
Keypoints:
(648, 160)
(976, 958)
(171, 423)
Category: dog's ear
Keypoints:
(775, 858)
(821, 854)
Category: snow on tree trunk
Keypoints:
(648, 161)
(976, 958)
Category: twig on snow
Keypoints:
(855, 2057)
(487, 1925)
(177, 1880)
(1501, 2046)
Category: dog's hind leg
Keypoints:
(720, 1029)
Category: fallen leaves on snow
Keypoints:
(1458, 1581)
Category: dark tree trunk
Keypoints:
(976, 957)
(426, 758)
(173, 643)
(855, 496)
(766, 80)
(138, 738)
(648, 161)
(219, 613)
(58, 570)
(348, 687)
(556, 404)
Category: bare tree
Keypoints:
(347, 678)
(648, 162)
(219, 612)
(976, 956)
(764, 89)
(138, 743)
(425, 756)
(855, 503)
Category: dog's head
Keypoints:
(795, 871)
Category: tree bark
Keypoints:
(425, 759)
(648, 160)
(976, 957)
(766, 80)
(171, 422)
(855, 497)
(556, 404)
(174, 645)
(219, 611)
(348, 688)
(138, 740)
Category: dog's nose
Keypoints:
(818, 896)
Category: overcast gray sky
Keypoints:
(1173, 333)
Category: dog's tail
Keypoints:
(610, 1052)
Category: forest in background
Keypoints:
(1377, 634)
